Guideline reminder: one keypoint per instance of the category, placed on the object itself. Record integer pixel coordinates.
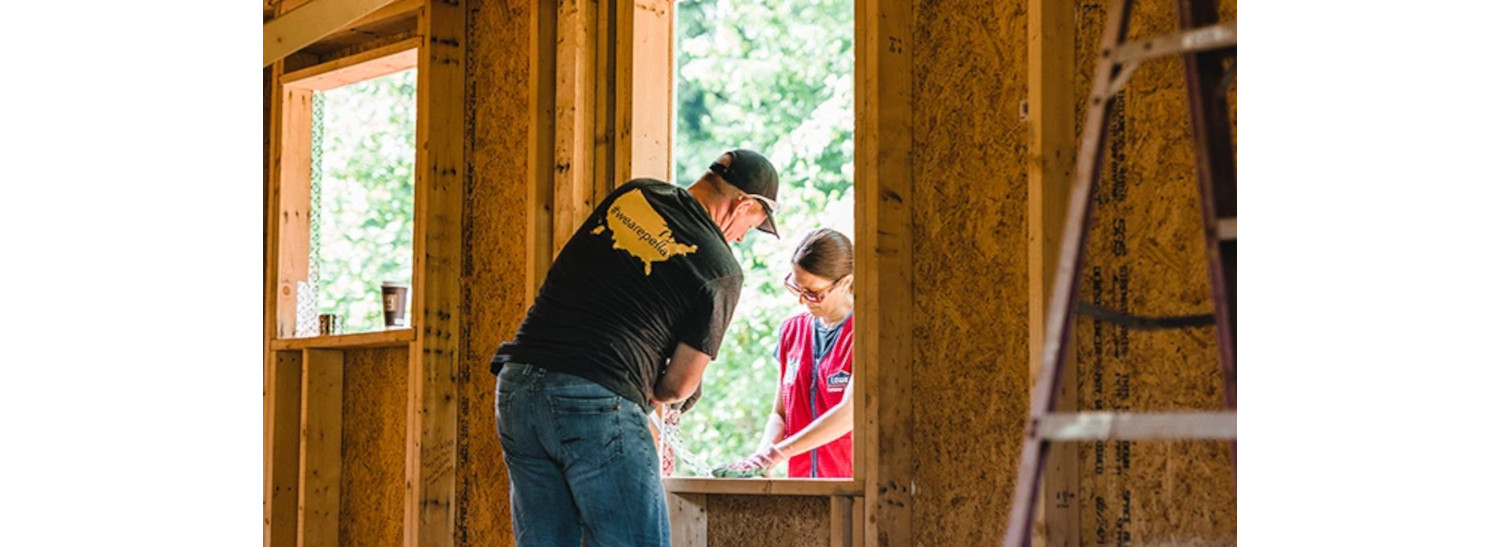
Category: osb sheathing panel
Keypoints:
(1146, 256)
(493, 284)
(970, 369)
(755, 521)
(372, 472)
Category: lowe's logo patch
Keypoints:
(838, 381)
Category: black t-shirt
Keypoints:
(647, 270)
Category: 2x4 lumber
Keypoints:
(573, 183)
(606, 32)
(1100, 426)
(284, 404)
(841, 521)
(646, 127)
(300, 27)
(322, 437)
(356, 68)
(689, 519)
(1049, 172)
(294, 184)
(269, 208)
(772, 487)
(432, 408)
(542, 135)
(883, 218)
(392, 338)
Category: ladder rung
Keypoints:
(1227, 229)
(1095, 426)
(1207, 38)
(1145, 323)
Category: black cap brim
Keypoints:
(769, 226)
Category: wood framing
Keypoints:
(322, 441)
(284, 406)
(440, 166)
(882, 219)
(841, 521)
(645, 148)
(392, 338)
(689, 518)
(297, 28)
(294, 190)
(542, 136)
(356, 68)
(573, 184)
(770, 487)
(1049, 175)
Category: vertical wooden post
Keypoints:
(574, 181)
(841, 521)
(284, 405)
(883, 190)
(294, 185)
(605, 32)
(646, 74)
(1050, 159)
(542, 135)
(322, 443)
(432, 410)
(689, 517)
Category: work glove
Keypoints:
(757, 464)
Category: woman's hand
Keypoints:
(757, 464)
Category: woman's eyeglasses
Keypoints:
(813, 297)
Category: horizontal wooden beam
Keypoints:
(312, 21)
(1097, 426)
(773, 487)
(393, 338)
(356, 68)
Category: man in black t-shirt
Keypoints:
(630, 314)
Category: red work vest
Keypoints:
(809, 390)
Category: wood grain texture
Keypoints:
(438, 241)
(1050, 155)
(883, 190)
(284, 404)
(322, 442)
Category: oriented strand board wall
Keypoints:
(754, 521)
(1146, 256)
(494, 267)
(372, 473)
(970, 367)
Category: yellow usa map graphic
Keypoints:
(638, 230)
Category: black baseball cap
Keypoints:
(752, 173)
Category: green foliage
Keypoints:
(775, 76)
(366, 209)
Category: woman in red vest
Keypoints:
(812, 421)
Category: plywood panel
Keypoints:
(789, 521)
(1146, 256)
(494, 276)
(374, 441)
(970, 362)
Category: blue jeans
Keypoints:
(581, 462)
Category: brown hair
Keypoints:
(825, 253)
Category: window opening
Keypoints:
(775, 76)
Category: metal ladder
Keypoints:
(1204, 45)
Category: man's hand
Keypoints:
(757, 464)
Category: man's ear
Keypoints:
(746, 206)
